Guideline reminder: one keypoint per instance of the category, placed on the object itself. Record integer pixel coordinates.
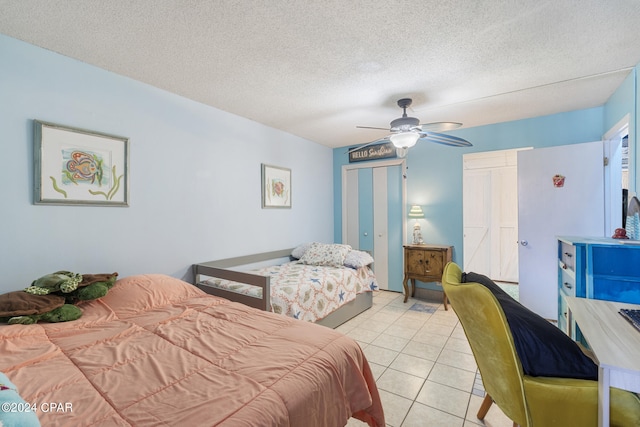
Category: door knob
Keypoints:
(524, 242)
(365, 233)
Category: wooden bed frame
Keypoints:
(221, 269)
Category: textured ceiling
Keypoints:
(318, 68)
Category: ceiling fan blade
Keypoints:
(441, 138)
(440, 126)
(386, 138)
(369, 127)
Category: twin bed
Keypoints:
(323, 283)
(159, 351)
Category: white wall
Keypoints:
(194, 177)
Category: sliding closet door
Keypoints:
(351, 234)
(373, 219)
(397, 230)
(381, 226)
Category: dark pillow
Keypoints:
(543, 349)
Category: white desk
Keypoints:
(615, 343)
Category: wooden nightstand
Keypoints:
(425, 263)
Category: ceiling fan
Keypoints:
(406, 131)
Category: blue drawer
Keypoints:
(615, 289)
(616, 261)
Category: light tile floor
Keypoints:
(424, 368)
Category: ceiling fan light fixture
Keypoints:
(404, 139)
(406, 131)
(401, 152)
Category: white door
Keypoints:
(476, 187)
(381, 227)
(618, 167)
(504, 224)
(490, 214)
(546, 211)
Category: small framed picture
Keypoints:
(276, 187)
(79, 167)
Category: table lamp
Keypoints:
(416, 213)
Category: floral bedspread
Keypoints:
(306, 292)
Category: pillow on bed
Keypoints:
(357, 259)
(132, 294)
(325, 254)
(543, 349)
(298, 252)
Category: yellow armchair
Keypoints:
(527, 400)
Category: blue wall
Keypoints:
(434, 172)
(194, 177)
(195, 173)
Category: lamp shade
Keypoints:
(405, 139)
(416, 212)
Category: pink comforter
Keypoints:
(158, 351)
